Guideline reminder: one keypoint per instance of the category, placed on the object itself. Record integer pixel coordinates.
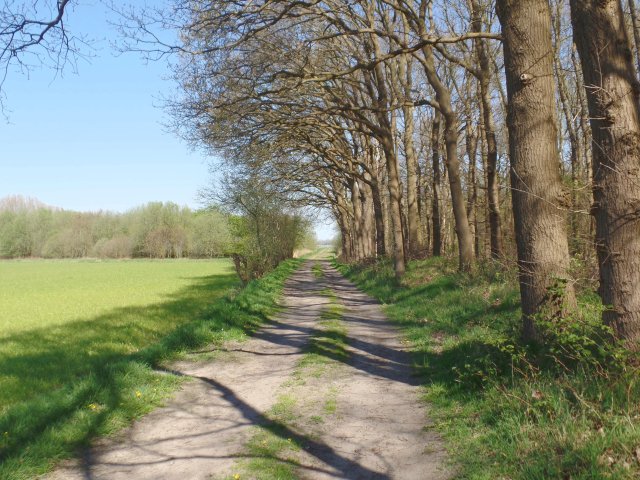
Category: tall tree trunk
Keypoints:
(486, 244)
(371, 178)
(343, 217)
(586, 137)
(378, 216)
(435, 201)
(484, 79)
(345, 234)
(415, 236)
(395, 200)
(472, 187)
(537, 193)
(574, 141)
(443, 97)
(574, 155)
(635, 26)
(356, 205)
(386, 212)
(368, 237)
(612, 92)
(387, 143)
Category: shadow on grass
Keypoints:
(61, 386)
(500, 422)
(39, 360)
(455, 330)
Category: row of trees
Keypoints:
(29, 228)
(252, 228)
(371, 107)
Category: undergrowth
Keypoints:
(568, 408)
(109, 394)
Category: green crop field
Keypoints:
(44, 293)
(58, 317)
(73, 336)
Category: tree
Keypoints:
(264, 232)
(483, 73)
(34, 33)
(538, 197)
(613, 90)
(210, 235)
(306, 60)
(435, 199)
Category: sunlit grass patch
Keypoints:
(126, 306)
(321, 253)
(317, 270)
(45, 293)
(272, 448)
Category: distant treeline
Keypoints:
(29, 228)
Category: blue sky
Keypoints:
(95, 140)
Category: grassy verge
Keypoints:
(503, 412)
(119, 385)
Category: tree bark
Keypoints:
(472, 187)
(585, 127)
(635, 26)
(378, 215)
(537, 193)
(385, 135)
(356, 205)
(415, 236)
(342, 215)
(416, 239)
(395, 198)
(435, 201)
(574, 140)
(443, 97)
(612, 93)
(484, 79)
(391, 160)
(369, 220)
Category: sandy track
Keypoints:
(376, 433)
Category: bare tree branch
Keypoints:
(34, 34)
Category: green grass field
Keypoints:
(44, 293)
(79, 341)
(59, 318)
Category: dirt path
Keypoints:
(356, 417)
